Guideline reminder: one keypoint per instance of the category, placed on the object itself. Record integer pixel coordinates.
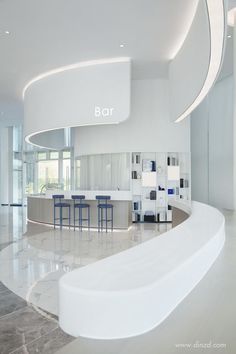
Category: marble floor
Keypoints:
(204, 322)
(24, 330)
(32, 265)
(32, 259)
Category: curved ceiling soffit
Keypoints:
(35, 137)
(216, 11)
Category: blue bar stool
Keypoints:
(58, 203)
(103, 205)
(81, 206)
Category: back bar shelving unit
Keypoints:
(158, 177)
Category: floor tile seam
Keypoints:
(34, 340)
(13, 312)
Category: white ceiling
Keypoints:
(45, 34)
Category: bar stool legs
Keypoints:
(81, 219)
(103, 222)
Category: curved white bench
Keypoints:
(132, 292)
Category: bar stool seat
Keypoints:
(62, 205)
(107, 206)
(78, 205)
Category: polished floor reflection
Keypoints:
(204, 322)
(32, 265)
(23, 328)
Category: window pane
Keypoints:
(77, 174)
(47, 174)
(29, 183)
(54, 155)
(66, 154)
(42, 155)
(66, 174)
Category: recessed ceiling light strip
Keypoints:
(217, 21)
(78, 65)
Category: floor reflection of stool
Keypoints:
(104, 206)
(81, 206)
(58, 203)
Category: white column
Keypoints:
(234, 119)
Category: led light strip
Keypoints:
(217, 22)
(81, 64)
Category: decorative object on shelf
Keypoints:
(186, 185)
(161, 216)
(137, 159)
(147, 165)
(171, 191)
(136, 217)
(153, 166)
(161, 189)
(153, 195)
(149, 216)
(159, 174)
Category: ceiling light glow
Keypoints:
(216, 13)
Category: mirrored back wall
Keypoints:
(103, 172)
(126, 170)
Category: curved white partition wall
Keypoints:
(88, 93)
(132, 292)
(196, 66)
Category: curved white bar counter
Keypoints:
(132, 292)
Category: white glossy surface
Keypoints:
(132, 292)
(91, 195)
(191, 75)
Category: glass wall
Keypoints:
(47, 170)
(54, 170)
(66, 169)
(103, 172)
(17, 168)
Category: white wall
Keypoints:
(212, 147)
(200, 153)
(70, 98)
(189, 68)
(11, 115)
(148, 128)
